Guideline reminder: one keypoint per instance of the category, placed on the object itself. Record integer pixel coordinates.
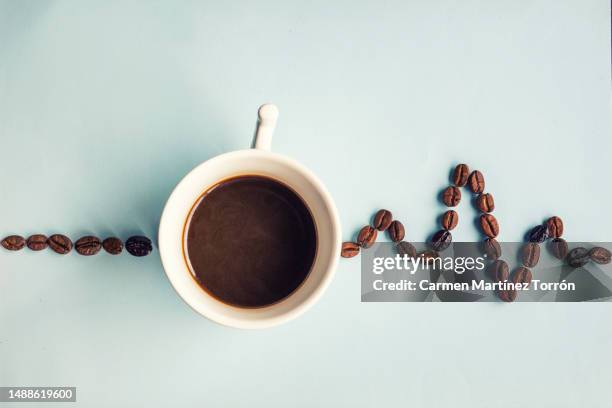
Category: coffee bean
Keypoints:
(88, 245)
(382, 220)
(406, 248)
(112, 245)
(489, 225)
(366, 237)
(441, 240)
(492, 248)
(141, 246)
(498, 271)
(451, 196)
(578, 257)
(559, 248)
(349, 249)
(509, 295)
(450, 219)
(13, 242)
(530, 254)
(538, 234)
(60, 244)
(476, 182)
(396, 231)
(37, 242)
(485, 203)
(600, 255)
(555, 227)
(460, 175)
(522, 275)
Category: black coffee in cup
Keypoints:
(250, 241)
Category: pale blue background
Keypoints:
(104, 106)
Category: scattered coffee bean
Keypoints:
(450, 219)
(492, 248)
(88, 245)
(112, 245)
(522, 275)
(530, 254)
(349, 249)
(382, 220)
(60, 244)
(460, 175)
(141, 246)
(489, 225)
(509, 295)
(538, 234)
(441, 240)
(451, 196)
(366, 237)
(485, 203)
(578, 257)
(406, 248)
(600, 255)
(37, 242)
(555, 227)
(13, 242)
(498, 271)
(476, 182)
(559, 248)
(396, 231)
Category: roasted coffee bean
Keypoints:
(450, 219)
(382, 220)
(460, 175)
(476, 182)
(37, 242)
(492, 248)
(555, 227)
(112, 245)
(349, 249)
(578, 257)
(538, 234)
(451, 196)
(406, 248)
(600, 255)
(13, 242)
(485, 203)
(366, 237)
(498, 271)
(530, 254)
(509, 295)
(396, 231)
(141, 246)
(489, 225)
(88, 245)
(559, 248)
(60, 244)
(522, 275)
(441, 240)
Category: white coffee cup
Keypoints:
(256, 161)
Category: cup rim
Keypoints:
(326, 276)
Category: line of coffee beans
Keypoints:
(498, 269)
(484, 202)
(382, 221)
(136, 245)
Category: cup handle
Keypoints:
(268, 114)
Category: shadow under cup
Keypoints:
(173, 229)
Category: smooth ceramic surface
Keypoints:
(252, 162)
(105, 106)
